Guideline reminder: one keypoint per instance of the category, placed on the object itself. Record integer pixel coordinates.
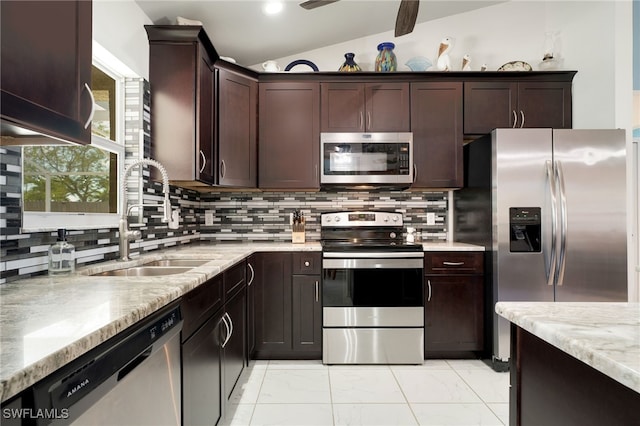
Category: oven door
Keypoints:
(372, 282)
(366, 158)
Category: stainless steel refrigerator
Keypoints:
(549, 206)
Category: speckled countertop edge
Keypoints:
(130, 299)
(605, 336)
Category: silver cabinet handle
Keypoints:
(361, 123)
(515, 119)
(317, 291)
(429, 295)
(230, 325)
(453, 263)
(522, 115)
(253, 274)
(368, 119)
(306, 263)
(93, 106)
(222, 169)
(204, 161)
(226, 325)
(415, 172)
(551, 178)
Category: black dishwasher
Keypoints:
(133, 378)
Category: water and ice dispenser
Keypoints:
(525, 229)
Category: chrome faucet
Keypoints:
(126, 234)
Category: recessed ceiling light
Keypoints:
(272, 7)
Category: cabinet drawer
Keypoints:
(234, 279)
(307, 263)
(454, 263)
(199, 304)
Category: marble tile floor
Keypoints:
(440, 392)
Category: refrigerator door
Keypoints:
(592, 182)
(522, 189)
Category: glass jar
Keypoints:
(386, 60)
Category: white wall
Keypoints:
(118, 26)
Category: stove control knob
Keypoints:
(392, 235)
(328, 219)
(395, 218)
(386, 219)
(337, 218)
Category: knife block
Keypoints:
(298, 233)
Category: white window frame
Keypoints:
(51, 221)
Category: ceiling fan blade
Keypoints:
(407, 15)
(312, 4)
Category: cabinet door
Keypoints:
(237, 128)
(489, 105)
(307, 314)
(45, 67)
(387, 107)
(342, 107)
(289, 135)
(235, 346)
(453, 313)
(436, 123)
(273, 304)
(544, 104)
(251, 297)
(206, 160)
(201, 381)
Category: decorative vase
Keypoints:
(349, 64)
(386, 59)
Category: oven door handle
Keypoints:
(374, 255)
(372, 264)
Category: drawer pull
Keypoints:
(306, 263)
(453, 263)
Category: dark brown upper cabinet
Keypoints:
(365, 107)
(525, 104)
(45, 69)
(289, 135)
(237, 129)
(183, 107)
(436, 123)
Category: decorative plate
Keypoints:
(301, 62)
(515, 66)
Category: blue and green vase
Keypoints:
(386, 59)
(349, 64)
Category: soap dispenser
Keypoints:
(62, 256)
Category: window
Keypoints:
(77, 186)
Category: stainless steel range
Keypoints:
(372, 290)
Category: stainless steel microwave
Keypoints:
(366, 159)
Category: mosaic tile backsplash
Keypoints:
(265, 216)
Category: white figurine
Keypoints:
(483, 67)
(466, 63)
(444, 63)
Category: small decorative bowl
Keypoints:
(418, 63)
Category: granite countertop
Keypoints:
(605, 336)
(46, 322)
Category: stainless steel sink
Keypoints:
(192, 263)
(144, 271)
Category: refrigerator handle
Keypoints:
(551, 179)
(563, 230)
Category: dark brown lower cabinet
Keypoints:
(550, 387)
(287, 307)
(453, 314)
(454, 304)
(201, 364)
(233, 349)
(307, 314)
